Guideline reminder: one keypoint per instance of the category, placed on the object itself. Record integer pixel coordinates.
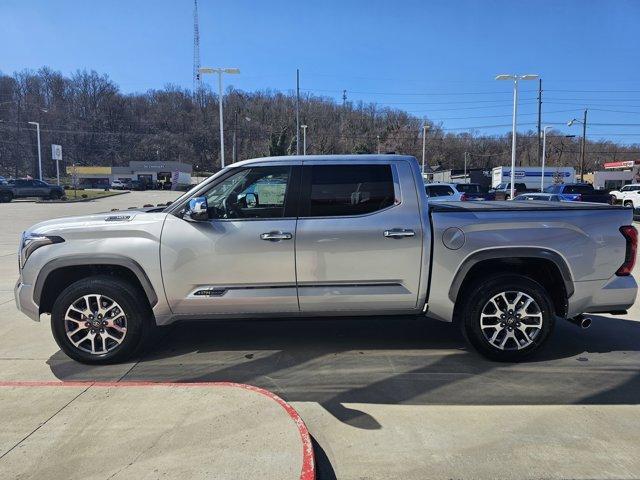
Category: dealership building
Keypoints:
(147, 172)
(615, 175)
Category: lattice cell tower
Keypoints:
(197, 84)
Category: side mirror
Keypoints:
(251, 200)
(198, 210)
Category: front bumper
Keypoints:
(24, 300)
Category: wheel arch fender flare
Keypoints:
(509, 253)
(94, 260)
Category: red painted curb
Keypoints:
(308, 461)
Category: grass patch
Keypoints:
(86, 195)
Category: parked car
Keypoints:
(440, 192)
(119, 185)
(544, 197)
(356, 239)
(137, 185)
(579, 192)
(620, 195)
(503, 190)
(23, 188)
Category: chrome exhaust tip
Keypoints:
(581, 321)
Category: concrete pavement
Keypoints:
(136, 430)
(383, 397)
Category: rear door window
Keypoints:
(468, 188)
(345, 190)
(440, 191)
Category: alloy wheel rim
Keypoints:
(95, 324)
(511, 320)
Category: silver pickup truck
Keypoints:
(326, 236)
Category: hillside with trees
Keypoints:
(97, 124)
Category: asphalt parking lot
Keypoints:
(382, 397)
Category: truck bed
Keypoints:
(517, 206)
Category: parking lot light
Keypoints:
(220, 71)
(515, 79)
(39, 149)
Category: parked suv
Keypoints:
(579, 192)
(348, 235)
(440, 192)
(619, 196)
(23, 188)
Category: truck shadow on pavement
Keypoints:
(341, 362)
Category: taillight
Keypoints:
(631, 236)
(463, 197)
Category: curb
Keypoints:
(308, 471)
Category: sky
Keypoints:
(433, 58)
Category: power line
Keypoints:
(502, 116)
(414, 94)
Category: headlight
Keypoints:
(30, 242)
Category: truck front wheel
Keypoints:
(507, 317)
(100, 320)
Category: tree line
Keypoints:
(97, 124)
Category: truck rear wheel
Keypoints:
(507, 317)
(6, 197)
(100, 320)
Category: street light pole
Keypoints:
(515, 79)
(544, 155)
(220, 71)
(39, 150)
(304, 139)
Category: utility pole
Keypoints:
(584, 145)
(583, 142)
(466, 155)
(297, 111)
(425, 127)
(539, 114)
(344, 98)
(378, 141)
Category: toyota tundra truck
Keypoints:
(326, 236)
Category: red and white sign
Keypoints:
(624, 164)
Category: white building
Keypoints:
(616, 174)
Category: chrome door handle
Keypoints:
(276, 236)
(399, 233)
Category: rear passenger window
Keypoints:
(439, 191)
(342, 190)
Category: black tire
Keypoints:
(6, 197)
(628, 204)
(479, 296)
(139, 319)
(55, 195)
